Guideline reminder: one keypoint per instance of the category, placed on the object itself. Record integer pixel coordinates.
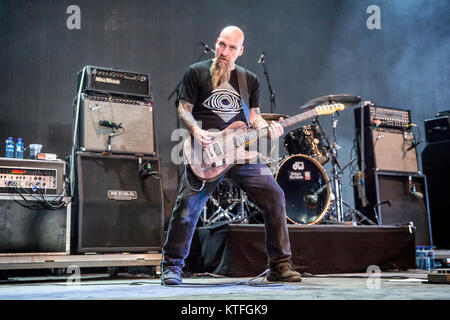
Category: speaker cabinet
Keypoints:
(118, 211)
(24, 230)
(435, 165)
(387, 150)
(136, 118)
(437, 129)
(391, 200)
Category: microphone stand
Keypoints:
(273, 105)
(177, 88)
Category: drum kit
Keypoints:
(311, 196)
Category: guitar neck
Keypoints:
(254, 134)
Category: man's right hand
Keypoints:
(201, 136)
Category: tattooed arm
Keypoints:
(256, 119)
(185, 114)
(257, 122)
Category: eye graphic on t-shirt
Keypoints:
(224, 101)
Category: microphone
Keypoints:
(412, 189)
(416, 194)
(110, 124)
(207, 48)
(388, 202)
(414, 145)
(311, 198)
(261, 57)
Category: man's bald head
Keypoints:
(229, 46)
(233, 32)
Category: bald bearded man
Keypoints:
(200, 109)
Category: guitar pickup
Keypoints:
(217, 149)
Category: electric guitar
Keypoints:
(229, 146)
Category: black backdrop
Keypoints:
(313, 48)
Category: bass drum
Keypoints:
(300, 176)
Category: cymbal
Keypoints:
(273, 116)
(346, 99)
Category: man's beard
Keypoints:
(220, 73)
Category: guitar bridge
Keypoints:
(219, 163)
(215, 164)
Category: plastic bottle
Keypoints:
(9, 153)
(19, 149)
(430, 258)
(420, 255)
(426, 259)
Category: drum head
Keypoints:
(300, 176)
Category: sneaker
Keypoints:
(283, 272)
(171, 276)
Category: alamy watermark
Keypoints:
(74, 20)
(374, 20)
(74, 279)
(373, 277)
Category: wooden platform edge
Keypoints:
(43, 261)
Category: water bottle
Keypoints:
(19, 149)
(430, 258)
(426, 259)
(420, 254)
(9, 148)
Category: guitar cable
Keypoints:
(187, 182)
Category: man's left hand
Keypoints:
(275, 130)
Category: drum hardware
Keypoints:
(332, 151)
(307, 140)
(311, 198)
(223, 203)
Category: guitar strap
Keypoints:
(243, 91)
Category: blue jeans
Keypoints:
(259, 184)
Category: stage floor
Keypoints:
(407, 285)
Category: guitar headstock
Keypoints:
(324, 109)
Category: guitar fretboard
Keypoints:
(255, 134)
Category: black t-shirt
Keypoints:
(220, 107)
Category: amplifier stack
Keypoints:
(118, 190)
(395, 192)
(435, 162)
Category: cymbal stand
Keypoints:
(336, 178)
